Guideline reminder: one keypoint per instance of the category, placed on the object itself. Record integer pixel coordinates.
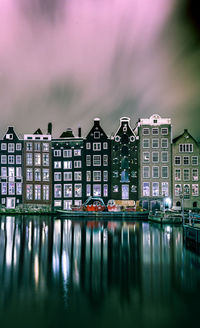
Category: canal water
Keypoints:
(65, 273)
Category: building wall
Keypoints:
(155, 138)
(185, 166)
(68, 172)
(98, 163)
(11, 170)
(37, 170)
(124, 163)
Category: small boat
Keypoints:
(168, 216)
(92, 204)
(113, 207)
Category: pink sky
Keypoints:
(99, 58)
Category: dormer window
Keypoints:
(9, 136)
(96, 135)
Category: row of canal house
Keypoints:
(141, 163)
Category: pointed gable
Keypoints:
(97, 132)
(38, 131)
(10, 134)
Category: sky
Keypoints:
(69, 61)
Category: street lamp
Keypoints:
(181, 195)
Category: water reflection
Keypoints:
(113, 272)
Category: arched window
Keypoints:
(195, 204)
(124, 176)
(124, 164)
(178, 204)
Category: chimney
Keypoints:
(79, 132)
(96, 121)
(49, 131)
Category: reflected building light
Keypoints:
(2, 225)
(36, 270)
(29, 237)
(65, 265)
(9, 231)
(56, 264)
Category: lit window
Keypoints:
(67, 165)
(88, 160)
(3, 188)
(146, 189)
(29, 174)
(105, 190)
(11, 147)
(45, 146)
(105, 160)
(78, 190)
(57, 176)
(195, 174)
(105, 175)
(18, 172)
(57, 191)
(67, 153)
(165, 189)
(37, 192)
(77, 164)
(18, 146)
(3, 159)
(97, 190)
(96, 175)
(37, 158)
(67, 176)
(37, 146)
(45, 192)
(18, 188)
(88, 190)
(88, 175)
(4, 172)
(3, 146)
(57, 165)
(115, 188)
(18, 159)
(178, 189)
(68, 190)
(155, 189)
(97, 160)
(57, 153)
(77, 152)
(11, 159)
(45, 174)
(195, 190)
(178, 174)
(29, 191)
(45, 159)
(77, 176)
(29, 146)
(105, 145)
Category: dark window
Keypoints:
(125, 139)
(124, 163)
(124, 151)
(178, 204)
(195, 204)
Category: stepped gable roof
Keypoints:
(38, 131)
(186, 133)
